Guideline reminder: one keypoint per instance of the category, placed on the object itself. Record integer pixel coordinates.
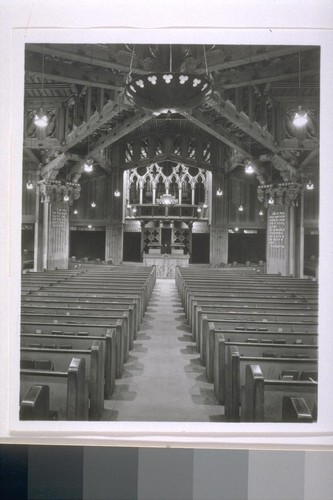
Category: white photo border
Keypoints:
(171, 434)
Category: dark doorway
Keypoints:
(247, 247)
(166, 240)
(132, 247)
(90, 244)
(28, 235)
(200, 248)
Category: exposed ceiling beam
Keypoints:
(307, 144)
(262, 79)
(51, 168)
(311, 156)
(70, 73)
(242, 121)
(128, 126)
(47, 143)
(253, 58)
(109, 112)
(75, 54)
(206, 124)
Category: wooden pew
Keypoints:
(79, 303)
(68, 390)
(35, 404)
(216, 359)
(86, 311)
(265, 305)
(94, 369)
(255, 328)
(79, 342)
(84, 330)
(295, 410)
(83, 297)
(271, 368)
(308, 319)
(262, 399)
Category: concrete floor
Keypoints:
(163, 379)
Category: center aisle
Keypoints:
(163, 379)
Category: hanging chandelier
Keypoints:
(167, 199)
(168, 91)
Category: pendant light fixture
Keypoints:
(219, 191)
(89, 163)
(41, 119)
(301, 117)
(29, 184)
(168, 91)
(310, 186)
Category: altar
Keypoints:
(166, 263)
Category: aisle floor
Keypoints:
(163, 379)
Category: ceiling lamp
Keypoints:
(29, 184)
(205, 205)
(167, 199)
(75, 212)
(93, 204)
(134, 210)
(271, 200)
(236, 228)
(168, 90)
(261, 213)
(88, 166)
(310, 186)
(89, 226)
(249, 168)
(199, 210)
(240, 208)
(300, 118)
(219, 192)
(41, 120)
(66, 198)
(117, 193)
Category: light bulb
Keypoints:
(117, 193)
(93, 204)
(199, 209)
(75, 212)
(271, 201)
(29, 184)
(240, 208)
(300, 118)
(249, 169)
(134, 210)
(41, 120)
(219, 192)
(261, 213)
(66, 197)
(89, 226)
(88, 166)
(309, 186)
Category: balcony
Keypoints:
(160, 212)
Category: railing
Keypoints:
(151, 211)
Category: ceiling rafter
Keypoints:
(79, 57)
(69, 73)
(255, 57)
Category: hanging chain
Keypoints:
(205, 57)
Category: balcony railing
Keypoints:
(182, 212)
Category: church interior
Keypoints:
(170, 233)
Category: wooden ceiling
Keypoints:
(256, 91)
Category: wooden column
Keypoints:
(114, 227)
(219, 221)
(58, 236)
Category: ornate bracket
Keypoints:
(56, 191)
(285, 193)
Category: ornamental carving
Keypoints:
(57, 191)
(286, 193)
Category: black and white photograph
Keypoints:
(170, 232)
